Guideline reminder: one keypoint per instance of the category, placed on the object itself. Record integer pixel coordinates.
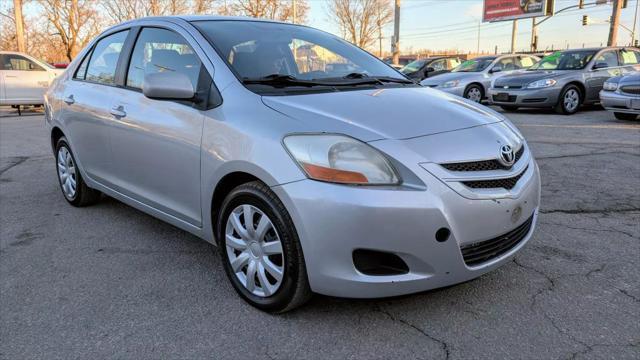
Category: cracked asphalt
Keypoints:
(111, 282)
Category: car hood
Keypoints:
(526, 77)
(389, 113)
(631, 79)
(442, 78)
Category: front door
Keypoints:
(605, 66)
(24, 80)
(156, 143)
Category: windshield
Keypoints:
(565, 60)
(474, 65)
(285, 54)
(413, 66)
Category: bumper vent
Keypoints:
(507, 183)
(631, 89)
(483, 251)
(486, 165)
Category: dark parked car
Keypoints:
(564, 80)
(403, 60)
(621, 95)
(424, 68)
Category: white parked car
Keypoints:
(24, 79)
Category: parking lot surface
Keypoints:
(108, 281)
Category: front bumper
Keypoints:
(546, 97)
(334, 220)
(615, 102)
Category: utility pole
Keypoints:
(478, 47)
(294, 11)
(635, 21)
(615, 19)
(396, 33)
(17, 10)
(534, 35)
(514, 31)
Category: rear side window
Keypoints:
(526, 62)
(630, 57)
(104, 59)
(159, 50)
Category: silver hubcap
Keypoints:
(571, 100)
(67, 173)
(474, 94)
(254, 250)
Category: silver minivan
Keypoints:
(314, 166)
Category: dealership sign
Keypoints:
(500, 10)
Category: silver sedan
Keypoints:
(472, 79)
(309, 177)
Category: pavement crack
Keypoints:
(587, 154)
(13, 161)
(589, 211)
(625, 292)
(443, 344)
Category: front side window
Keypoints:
(507, 64)
(104, 59)
(565, 60)
(475, 65)
(607, 59)
(292, 55)
(19, 63)
(82, 69)
(160, 50)
(438, 65)
(526, 62)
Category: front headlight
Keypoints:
(450, 84)
(541, 84)
(610, 86)
(340, 159)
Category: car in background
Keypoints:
(24, 79)
(60, 65)
(428, 67)
(621, 95)
(564, 80)
(472, 78)
(403, 61)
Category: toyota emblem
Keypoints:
(507, 157)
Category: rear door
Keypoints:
(24, 80)
(86, 99)
(605, 65)
(156, 143)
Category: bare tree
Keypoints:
(122, 10)
(76, 22)
(282, 10)
(359, 20)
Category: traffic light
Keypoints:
(585, 20)
(625, 3)
(581, 4)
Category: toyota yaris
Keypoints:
(349, 181)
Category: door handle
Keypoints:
(69, 100)
(118, 111)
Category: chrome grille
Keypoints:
(483, 251)
(485, 165)
(507, 183)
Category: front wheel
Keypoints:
(569, 101)
(625, 116)
(260, 249)
(474, 93)
(73, 187)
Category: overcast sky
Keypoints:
(446, 24)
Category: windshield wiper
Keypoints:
(280, 80)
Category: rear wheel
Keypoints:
(509, 108)
(569, 101)
(625, 116)
(260, 249)
(474, 93)
(73, 187)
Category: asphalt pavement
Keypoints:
(109, 281)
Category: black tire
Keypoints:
(294, 289)
(625, 116)
(84, 195)
(471, 89)
(562, 108)
(509, 107)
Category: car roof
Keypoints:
(190, 18)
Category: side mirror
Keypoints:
(496, 69)
(168, 85)
(429, 69)
(600, 65)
